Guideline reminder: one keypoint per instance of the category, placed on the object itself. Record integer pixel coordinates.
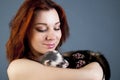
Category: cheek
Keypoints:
(59, 35)
(36, 38)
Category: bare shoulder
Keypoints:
(21, 64)
(22, 68)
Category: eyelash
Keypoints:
(57, 29)
(40, 30)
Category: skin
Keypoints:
(46, 35)
(46, 31)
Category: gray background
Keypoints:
(94, 24)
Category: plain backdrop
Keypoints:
(94, 25)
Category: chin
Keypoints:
(50, 50)
(46, 50)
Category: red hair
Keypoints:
(18, 43)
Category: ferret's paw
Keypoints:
(78, 56)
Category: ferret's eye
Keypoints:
(62, 63)
(59, 65)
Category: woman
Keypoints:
(38, 27)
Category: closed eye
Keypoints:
(59, 65)
(57, 29)
(57, 26)
(41, 28)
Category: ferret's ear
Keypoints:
(47, 62)
(66, 63)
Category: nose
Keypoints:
(50, 35)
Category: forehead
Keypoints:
(46, 16)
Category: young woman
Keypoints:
(38, 27)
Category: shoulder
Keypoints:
(20, 64)
(22, 68)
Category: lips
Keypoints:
(50, 46)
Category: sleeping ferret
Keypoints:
(76, 59)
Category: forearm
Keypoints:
(90, 72)
(30, 70)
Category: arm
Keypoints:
(24, 69)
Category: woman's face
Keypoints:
(46, 32)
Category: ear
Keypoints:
(67, 63)
(47, 62)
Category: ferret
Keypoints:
(76, 59)
(80, 58)
(54, 59)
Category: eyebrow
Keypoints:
(45, 23)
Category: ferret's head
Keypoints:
(55, 59)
